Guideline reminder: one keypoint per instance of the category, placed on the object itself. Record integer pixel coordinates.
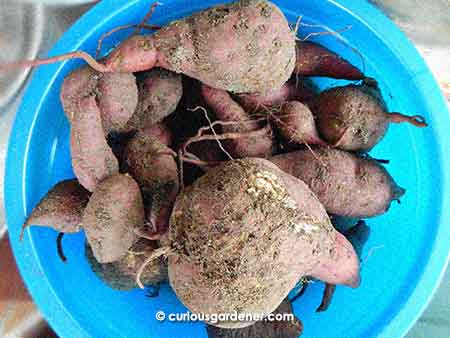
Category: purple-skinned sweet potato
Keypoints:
(61, 208)
(296, 125)
(246, 46)
(113, 214)
(228, 110)
(92, 158)
(247, 254)
(346, 184)
(160, 92)
(117, 98)
(355, 116)
(290, 91)
(316, 60)
(153, 166)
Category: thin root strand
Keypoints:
(155, 254)
(416, 120)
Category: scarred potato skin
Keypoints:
(228, 110)
(243, 47)
(247, 254)
(153, 166)
(121, 274)
(117, 99)
(92, 158)
(346, 185)
(113, 212)
(61, 208)
(160, 92)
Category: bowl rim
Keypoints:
(42, 292)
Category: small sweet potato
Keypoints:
(247, 254)
(227, 110)
(295, 124)
(121, 274)
(113, 213)
(263, 329)
(355, 116)
(243, 47)
(153, 166)
(92, 158)
(159, 94)
(61, 208)
(117, 99)
(346, 184)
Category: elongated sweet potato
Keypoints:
(316, 60)
(227, 110)
(121, 274)
(246, 46)
(113, 213)
(247, 254)
(159, 94)
(263, 329)
(92, 158)
(347, 185)
(153, 166)
(61, 208)
(356, 116)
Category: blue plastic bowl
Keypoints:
(413, 240)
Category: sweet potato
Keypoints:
(296, 125)
(356, 116)
(247, 254)
(159, 94)
(117, 99)
(115, 93)
(290, 91)
(121, 274)
(77, 85)
(263, 329)
(243, 47)
(313, 59)
(153, 166)
(346, 185)
(61, 208)
(227, 110)
(113, 213)
(92, 158)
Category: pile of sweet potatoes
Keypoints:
(203, 156)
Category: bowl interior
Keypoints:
(402, 259)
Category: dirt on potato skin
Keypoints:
(239, 256)
(251, 37)
(61, 208)
(111, 216)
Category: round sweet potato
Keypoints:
(112, 214)
(245, 255)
